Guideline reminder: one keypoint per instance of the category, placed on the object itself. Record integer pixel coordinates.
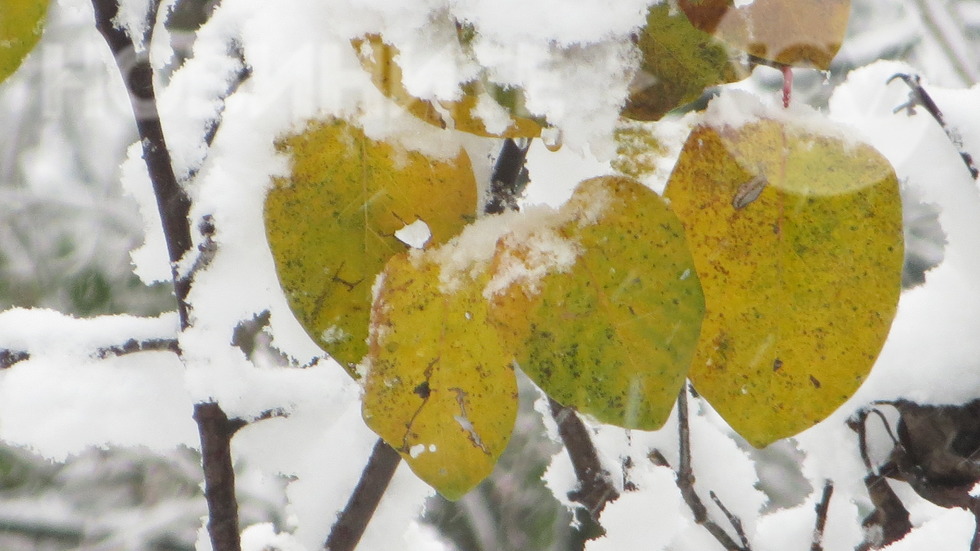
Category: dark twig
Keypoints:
(8, 358)
(174, 206)
(919, 97)
(732, 519)
(509, 178)
(132, 346)
(685, 482)
(595, 485)
(219, 477)
(822, 507)
(889, 522)
(353, 520)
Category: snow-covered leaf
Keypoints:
(331, 225)
(613, 335)
(483, 108)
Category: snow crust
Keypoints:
(574, 70)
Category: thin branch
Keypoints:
(509, 178)
(216, 431)
(595, 485)
(174, 206)
(353, 520)
(919, 97)
(732, 519)
(822, 507)
(685, 483)
(172, 202)
(133, 346)
(889, 522)
(9, 358)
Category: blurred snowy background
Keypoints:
(67, 229)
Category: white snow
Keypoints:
(415, 235)
(573, 60)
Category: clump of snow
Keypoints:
(653, 514)
(263, 537)
(151, 259)
(735, 108)
(415, 235)
(495, 118)
(66, 398)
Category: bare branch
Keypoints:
(919, 97)
(889, 522)
(8, 358)
(685, 483)
(132, 346)
(822, 507)
(219, 477)
(595, 485)
(172, 202)
(174, 206)
(353, 520)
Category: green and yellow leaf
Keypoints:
(21, 24)
(440, 388)
(613, 334)
(331, 224)
(797, 239)
(679, 62)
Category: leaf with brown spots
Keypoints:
(331, 224)
(440, 388)
(801, 275)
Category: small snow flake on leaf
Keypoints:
(613, 334)
(334, 222)
(797, 239)
(440, 388)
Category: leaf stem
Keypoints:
(787, 84)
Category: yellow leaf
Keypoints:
(21, 23)
(791, 32)
(679, 62)
(612, 335)
(440, 388)
(378, 58)
(797, 238)
(331, 224)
